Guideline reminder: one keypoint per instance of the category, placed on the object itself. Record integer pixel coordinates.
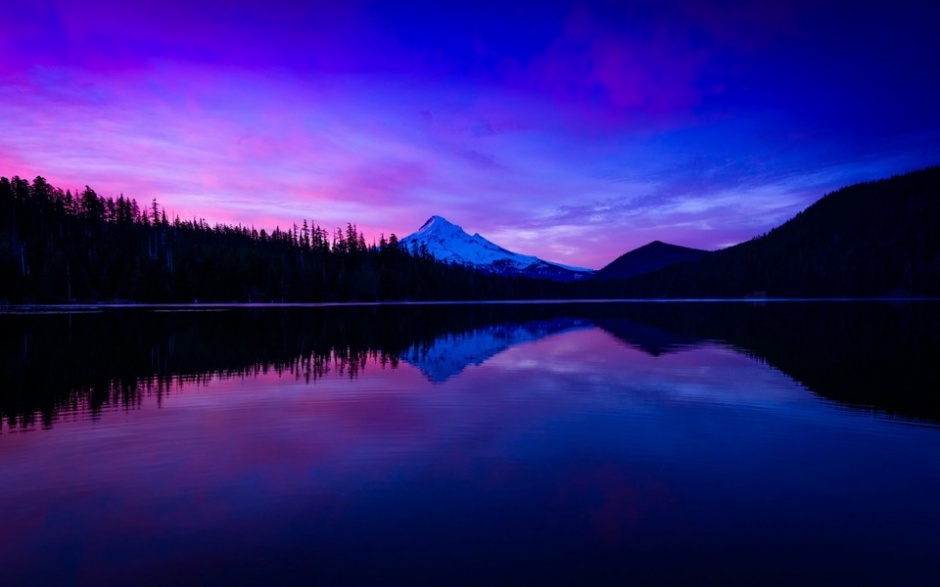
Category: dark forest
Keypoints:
(59, 247)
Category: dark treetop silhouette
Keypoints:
(58, 247)
(871, 239)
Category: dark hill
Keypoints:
(870, 239)
(648, 258)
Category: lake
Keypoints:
(604, 443)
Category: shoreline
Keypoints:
(21, 308)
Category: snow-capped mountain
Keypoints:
(449, 243)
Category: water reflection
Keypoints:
(450, 353)
(597, 444)
(874, 356)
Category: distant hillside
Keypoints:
(648, 258)
(869, 239)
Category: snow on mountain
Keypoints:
(449, 243)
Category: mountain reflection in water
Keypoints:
(727, 444)
(871, 355)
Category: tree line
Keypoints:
(870, 239)
(60, 247)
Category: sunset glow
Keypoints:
(573, 132)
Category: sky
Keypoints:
(574, 131)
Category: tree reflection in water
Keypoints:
(872, 355)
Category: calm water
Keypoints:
(786, 443)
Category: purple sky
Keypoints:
(571, 131)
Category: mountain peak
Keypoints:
(437, 222)
(449, 243)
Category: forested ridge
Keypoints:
(60, 247)
(869, 239)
